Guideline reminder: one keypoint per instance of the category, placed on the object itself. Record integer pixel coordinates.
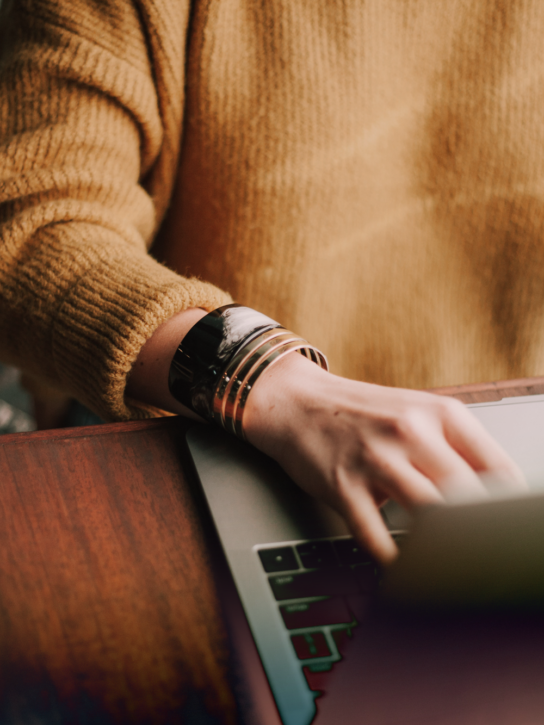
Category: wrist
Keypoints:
(148, 378)
(280, 398)
(217, 365)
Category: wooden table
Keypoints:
(109, 611)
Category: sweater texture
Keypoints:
(370, 174)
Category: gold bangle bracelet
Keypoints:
(302, 347)
(230, 373)
(242, 374)
(246, 366)
(306, 350)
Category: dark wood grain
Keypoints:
(108, 608)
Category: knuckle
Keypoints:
(409, 425)
(451, 407)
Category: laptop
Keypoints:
(304, 584)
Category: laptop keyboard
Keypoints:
(322, 589)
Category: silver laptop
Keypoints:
(304, 583)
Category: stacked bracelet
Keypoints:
(220, 359)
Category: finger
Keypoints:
(404, 483)
(501, 483)
(447, 469)
(471, 440)
(366, 523)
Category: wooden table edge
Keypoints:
(472, 393)
(487, 392)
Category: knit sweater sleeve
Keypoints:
(87, 159)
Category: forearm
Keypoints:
(86, 167)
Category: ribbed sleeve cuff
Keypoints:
(117, 302)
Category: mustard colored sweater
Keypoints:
(368, 172)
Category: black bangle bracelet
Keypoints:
(205, 351)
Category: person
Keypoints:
(367, 174)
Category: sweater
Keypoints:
(370, 174)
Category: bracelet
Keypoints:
(206, 349)
(300, 345)
(236, 373)
(239, 358)
(220, 359)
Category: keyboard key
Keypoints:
(325, 582)
(281, 559)
(367, 578)
(316, 614)
(349, 552)
(319, 666)
(317, 555)
(318, 675)
(342, 638)
(310, 644)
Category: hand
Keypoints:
(354, 445)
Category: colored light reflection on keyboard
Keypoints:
(322, 589)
